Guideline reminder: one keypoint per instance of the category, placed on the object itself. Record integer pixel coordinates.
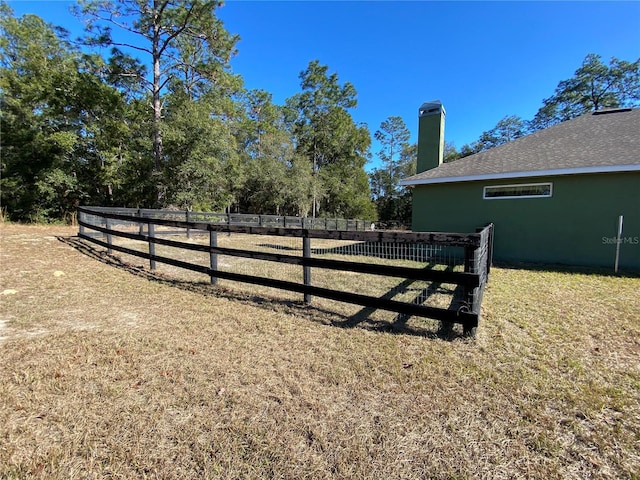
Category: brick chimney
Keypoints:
(430, 135)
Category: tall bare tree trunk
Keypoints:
(157, 107)
(157, 104)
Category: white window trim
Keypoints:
(511, 197)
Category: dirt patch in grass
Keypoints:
(116, 373)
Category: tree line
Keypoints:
(84, 121)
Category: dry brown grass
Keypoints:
(110, 374)
(441, 295)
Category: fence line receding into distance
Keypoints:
(426, 274)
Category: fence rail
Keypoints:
(243, 219)
(416, 248)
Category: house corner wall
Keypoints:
(577, 225)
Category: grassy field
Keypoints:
(108, 371)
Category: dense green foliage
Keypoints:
(594, 86)
(319, 120)
(398, 158)
(83, 128)
(64, 129)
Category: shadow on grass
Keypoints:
(561, 268)
(399, 324)
(363, 319)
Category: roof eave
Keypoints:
(507, 175)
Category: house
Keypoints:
(555, 196)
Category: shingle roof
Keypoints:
(594, 142)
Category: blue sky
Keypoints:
(483, 60)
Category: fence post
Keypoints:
(469, 254)
(471, 265)
(152, 246)
(109, 237)
(141, 225)
(213, 257)
(80, 219)
(306, 270)
(188, 216)
(489, 248)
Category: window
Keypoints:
(525, 190)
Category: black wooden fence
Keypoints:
(243, 219)
(476, 260)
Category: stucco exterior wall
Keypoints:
(577, 225)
